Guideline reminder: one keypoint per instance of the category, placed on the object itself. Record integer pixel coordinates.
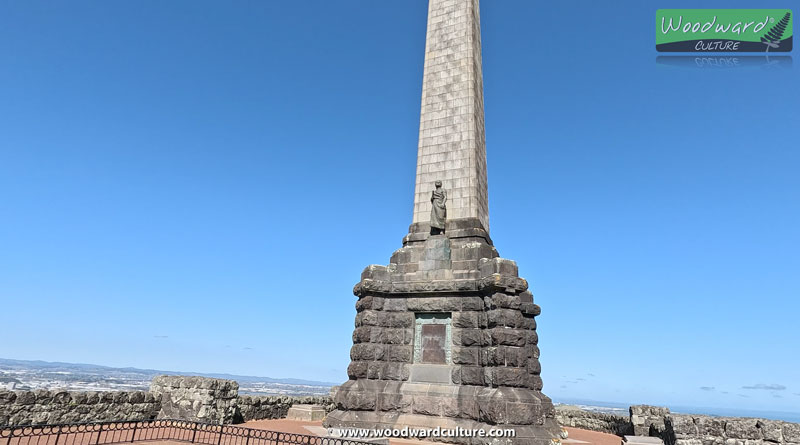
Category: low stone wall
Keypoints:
(685, 429)
(575, 417)
(170, 397)
(648, 420)
(46, 407)
(276, 407)
(198, 399)
(693, 429)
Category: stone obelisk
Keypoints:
(445, 334)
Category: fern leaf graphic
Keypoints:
(774, 35)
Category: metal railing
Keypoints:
(162, 430)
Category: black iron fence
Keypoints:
(162, 430)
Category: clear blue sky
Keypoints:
(196, 186)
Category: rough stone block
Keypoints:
(392, 371)
(505, 301)
(500, 266)
(530, 309)
(791, 432)
(395, 402)
(472, 303)
(399, 353)
(514, 356)
(395, 319)
(507, 337)
(466, 319)
(492, 356)
(770, 430)
(394, 304)
(742, 429)
(367, 318)
(375, 370)
(427, 405)
(506, 376)
(363, 352)
(359, 400)
(460, 408)
(524, 413)
(504, 318)
(534, 366)
(469, 337)
(466, 355)
(492, 410)
(375, 272)
(710, 426)
(472, 375)
(362, 334)
(433, 304)
(528, 323)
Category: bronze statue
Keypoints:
(438, 209)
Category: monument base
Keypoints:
(461, 414)
(446, 337)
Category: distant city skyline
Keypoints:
(197, 186)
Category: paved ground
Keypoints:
(234, 436)
(576, 436)
(579, 437)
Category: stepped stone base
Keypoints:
(488, 373)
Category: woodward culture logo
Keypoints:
(724, 30)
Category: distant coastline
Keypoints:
(621, 409)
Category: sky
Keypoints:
(197, 185)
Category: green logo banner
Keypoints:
(724, 30)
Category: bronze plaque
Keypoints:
(433, 343)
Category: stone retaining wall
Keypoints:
(575, 417)
(46, 407)
(197, 399)
(276, 407)
(683, 429)
(692, 429)
(175, 397)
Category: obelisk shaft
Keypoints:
(452, 142)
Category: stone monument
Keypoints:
(445, 334)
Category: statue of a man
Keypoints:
(438, 209)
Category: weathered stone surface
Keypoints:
(196, 398)
(710, 426)
(473, 375)
(276, 407)
(742, 429)
(643, 417)
(507, 337)
(43, 407)
(504, 318)
(575, 417)
(770, 430)
(791, 432)
(470, 337)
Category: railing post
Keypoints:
(10, 435)
(133, 436)
(100, 431)
(219, 440)
(58, 435)
(194, 432)
(247, 442)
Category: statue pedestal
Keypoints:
(446, 337)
